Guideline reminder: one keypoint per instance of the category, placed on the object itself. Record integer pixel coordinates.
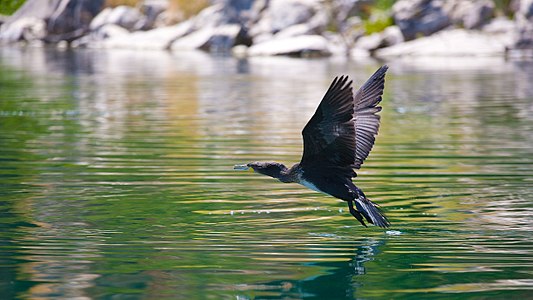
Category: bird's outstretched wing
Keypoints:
(366, 121)
(342, 131)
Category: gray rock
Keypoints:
(23, 29)
(3, 19)
(274, 16)
(480, 14)
(284, 13)
(151, 11)
(65, 20)
(370, 42)
(304, 45)
(390, 36)
(155, 39)
(470, 14)
(419, 17)
(524, 22)
(500, 25)
(295, 30)
(525, 8)
(224, 12)
(218, 28)
(214, 39)
(456, 42)
(124, 16)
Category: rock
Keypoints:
(525, 8)
(273, 16)
(500, 25)
(224, 12)
(3, 19)
(370, 42)
(151, 11)
(284, 13)
(214, 39)
(294, 30)
(419, 17)
(524, 33)
(218, 28)
(211, 16)
(470, 14)
(100, 19)
(71, 19)
(390, 36)
(24, 29)
(304, 45)
(155, 39)
(64, 19)
(123, 16)
(480, 14)
(456, 42)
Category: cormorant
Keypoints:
(337, 139)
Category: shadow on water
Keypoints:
(117, 179)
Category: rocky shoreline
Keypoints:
(303, 28)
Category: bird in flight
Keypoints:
(337, 139)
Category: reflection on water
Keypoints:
(116, 175)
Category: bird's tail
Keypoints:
(371, 211)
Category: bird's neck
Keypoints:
(289, 175)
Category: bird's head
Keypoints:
(272, 169)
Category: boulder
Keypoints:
(470, 14)
(456, 42)
(151, 11)
(420, 17)
(392, 35)
(64, 20)
(524, 21)
(23, 29)
(500, 25)
(224, 12)
(217, 28)
(271, 17)
(3, 19)
(124, 16)
(304, 45)
(294, 30)
(155, 39)
(479, 14)
(214, 39)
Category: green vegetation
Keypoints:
(378, 22)
(8, 7)
(378, 16)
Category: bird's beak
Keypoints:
(241, 167)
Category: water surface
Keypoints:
(116, 180)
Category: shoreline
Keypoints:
(300, 28)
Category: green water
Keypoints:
(117, 183)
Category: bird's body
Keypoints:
(337, 139)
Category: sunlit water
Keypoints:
(117, 182)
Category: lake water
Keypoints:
(117, 182)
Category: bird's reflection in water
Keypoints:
(339, 281)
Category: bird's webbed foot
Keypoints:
(355, 213)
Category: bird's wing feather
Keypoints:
(342, 131)
(366, 121)
(328, 136)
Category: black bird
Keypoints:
(337, 139)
